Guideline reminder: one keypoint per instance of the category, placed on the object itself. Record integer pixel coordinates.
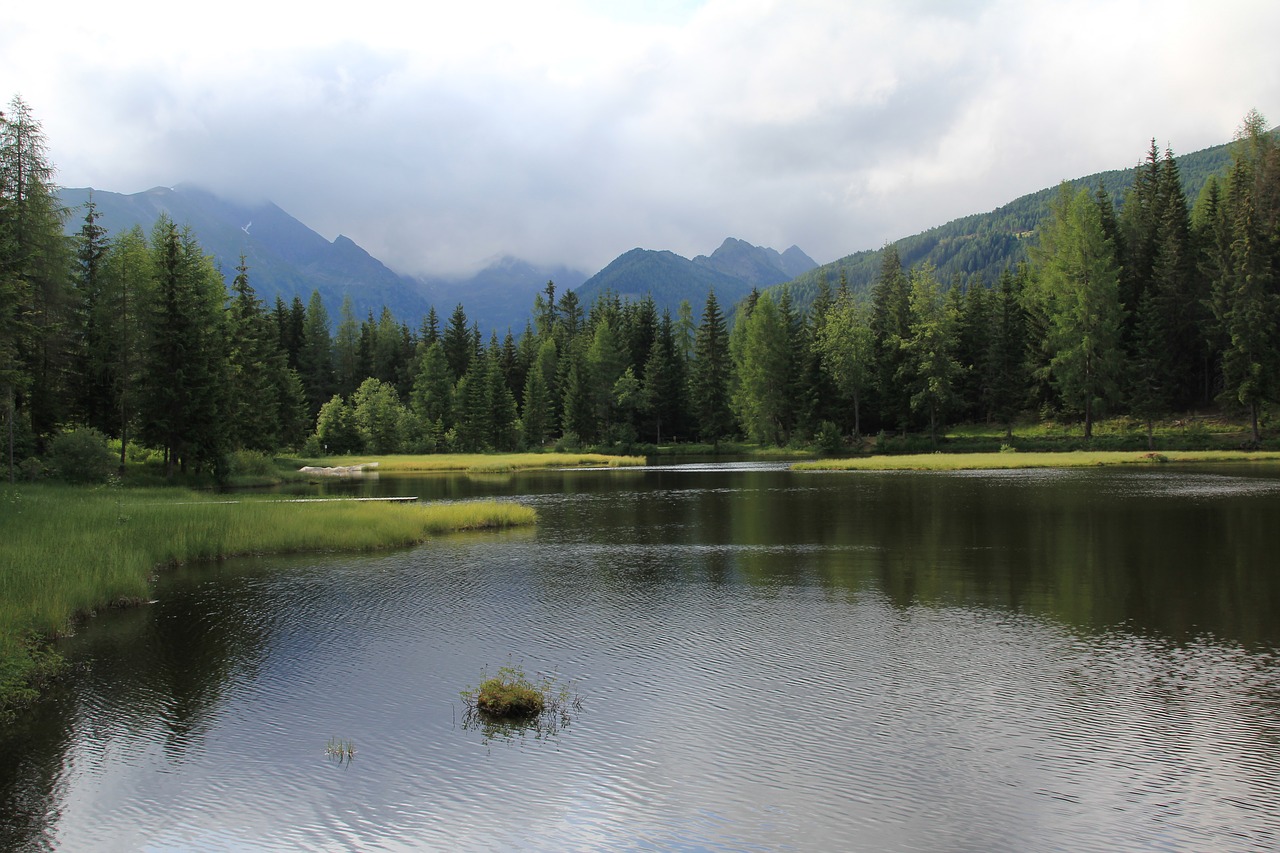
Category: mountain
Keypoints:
(501, 295)
(666, 276)
(285, 257)
(733, 270)
(288, 259)
(983, 244)
(756, 265)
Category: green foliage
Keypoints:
(1077, 294)
(336, 428)
(81, 455)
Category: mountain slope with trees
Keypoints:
(983, 244)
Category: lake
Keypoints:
(767, 660)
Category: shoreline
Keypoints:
(71, 551)
(1033, 459)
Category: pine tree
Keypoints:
(1005, 369)
(890, 325)
(97, 334)
(662, 395)
(1077, 290)
(346, 350)
(535, 419)
(1247, 298)
(432, 397)
(315, 359)
(35, 274)
(847, 348)
(254, 365)
(183, 410)
(459, 349)
(930, 369)
(709, 374)
(764, 368)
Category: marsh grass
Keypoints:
(69, 551)
(484, 463)
(340, 750)
(1072, 459)
(511, 703)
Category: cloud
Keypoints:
(442, 136)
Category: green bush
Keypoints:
(81, 456)
(253, 463)
(828, 438)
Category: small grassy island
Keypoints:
(69, 551)
(510, 701)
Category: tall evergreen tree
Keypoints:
(930, 369)
(1005, 378)
(254, 360)
(315, 359)
(1247, 296)
(764, 367)
(535, 418)
(1077, 290)
(182, 403)
(890, 327)
(35, 272)
(847, 347)
(96, 334)
(709, 375)
(346, 350)
(459, 349)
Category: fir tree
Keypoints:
(709, 374)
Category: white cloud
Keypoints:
(441, 134)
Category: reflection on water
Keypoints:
(1082, 660)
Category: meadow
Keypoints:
(71, 550)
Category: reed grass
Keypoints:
(489, 463)
(68, 551)
(1072, 459)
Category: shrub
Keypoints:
(81, 456)
(828, 438)
(250, 463)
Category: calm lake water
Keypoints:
(999, 661)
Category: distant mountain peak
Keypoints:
(759, 266)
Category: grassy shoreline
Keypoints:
(484, 463)
(1043, 459)
(70, 551)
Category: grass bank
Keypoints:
(1072, 459)
(69, 551)
(479, 462)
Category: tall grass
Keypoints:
(1073, 459)
(68, 551)
(482, 462)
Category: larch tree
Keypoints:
(1077, 292)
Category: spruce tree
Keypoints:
(315, 359)
(890, 325)
(709, 374)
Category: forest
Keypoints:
(1149, 305)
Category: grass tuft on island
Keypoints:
(484, 463)
(69, 551)
(510, 703)
(1006, 460)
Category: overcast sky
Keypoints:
(441, 135)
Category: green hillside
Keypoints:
(983, 244)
